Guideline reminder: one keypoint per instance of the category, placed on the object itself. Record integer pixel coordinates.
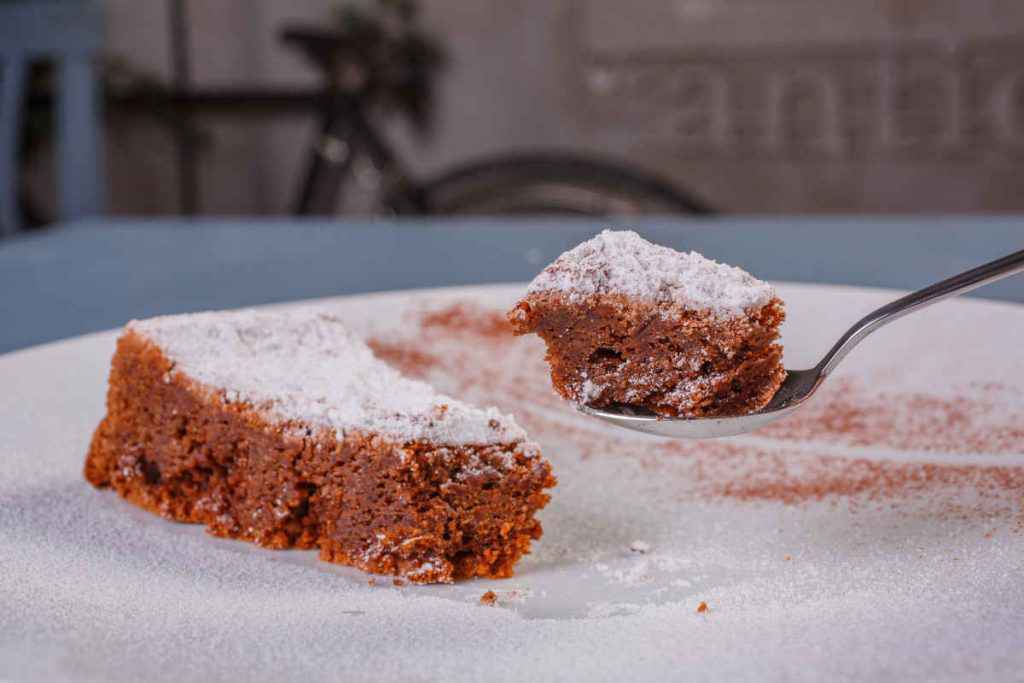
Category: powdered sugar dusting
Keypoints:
(623, 262)
(304, 365)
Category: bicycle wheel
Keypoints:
(553, 184)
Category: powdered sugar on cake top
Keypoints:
(622, 262)
(304, 365)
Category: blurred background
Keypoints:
(162, 156)
(736, 106)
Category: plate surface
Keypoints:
(878, 534)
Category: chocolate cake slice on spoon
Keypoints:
(673, 344)
(632, 324)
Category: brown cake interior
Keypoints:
(613, 350)
(431, 512)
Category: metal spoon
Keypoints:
(800, 385)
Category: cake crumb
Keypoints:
(371, 582)
(398, 582)
(702, 608)
(641, 547)
(489, 598)
(787, 558)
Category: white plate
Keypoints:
(878, 536)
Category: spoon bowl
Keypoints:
(800, 385)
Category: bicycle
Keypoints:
(531, 183)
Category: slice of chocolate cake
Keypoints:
(283, 429)
(628, 322)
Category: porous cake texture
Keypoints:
(631, 323)
(285, 430)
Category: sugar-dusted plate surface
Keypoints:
(877, 535)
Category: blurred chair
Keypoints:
(70, 32)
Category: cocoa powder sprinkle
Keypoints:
(461, 341)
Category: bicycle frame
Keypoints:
(345, 134)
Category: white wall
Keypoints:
(758, 105)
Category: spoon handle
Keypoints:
(954, 286)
